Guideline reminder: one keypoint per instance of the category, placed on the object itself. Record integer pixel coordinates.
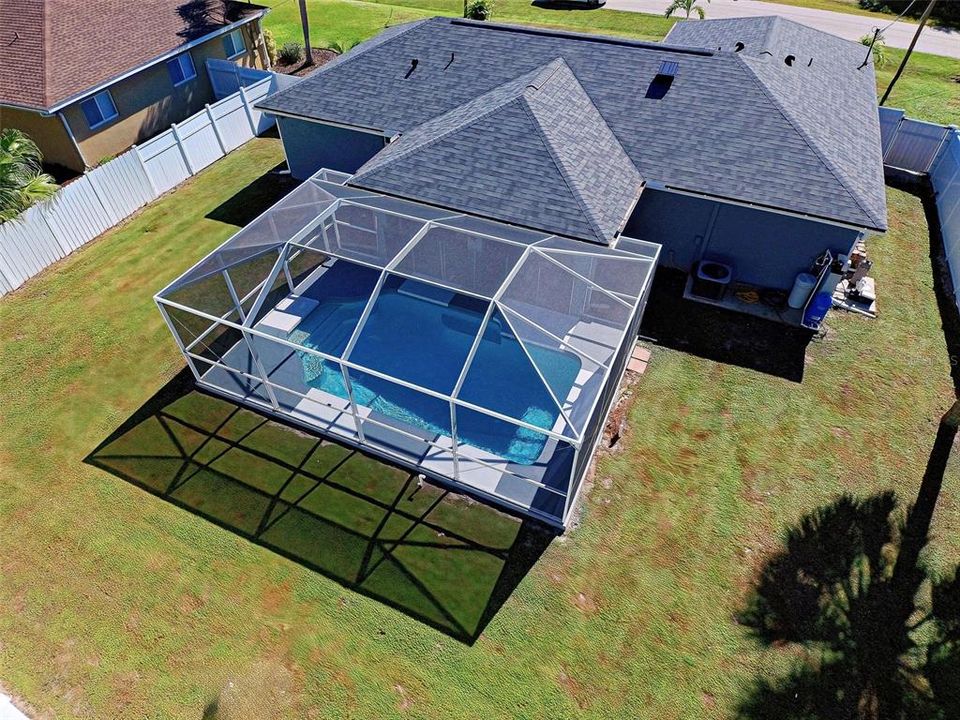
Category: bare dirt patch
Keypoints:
(573, 688)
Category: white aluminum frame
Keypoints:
(326, 225)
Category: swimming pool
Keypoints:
(415, 334)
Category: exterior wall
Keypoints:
(310, 146)
(148, 103)
(766, 249)
(47, 132)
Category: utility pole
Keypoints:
(307, 47)
(903, 63)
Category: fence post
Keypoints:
(146, 172)
(216, 130)
(183, 150)
(941, 155)
(246, 106)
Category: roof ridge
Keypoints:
(44, 36)
(415, 147)
(561, 164)
(486, 112)
(565, 176)
(810, 142)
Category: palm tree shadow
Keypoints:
(846, 593)
(443, 559)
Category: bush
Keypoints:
(290, 53)
(944, 13)
(479, 10)
(342, 46)
(879, 48)
(270, 45)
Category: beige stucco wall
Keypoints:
(47, 132)
(148, 103)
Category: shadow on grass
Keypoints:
(444, 560)
(874, 636)
(722, 335)
(255, 198)
(567, 4)
(943, 289)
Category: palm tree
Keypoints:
(22, 180)
(687, 6)
(305, 22)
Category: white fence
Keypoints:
(945, 178)
(907, 143)
(227, 78)
(101, 198)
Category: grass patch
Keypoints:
(121, 603)
(928, 90)
(850, 7)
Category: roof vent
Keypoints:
(663, 79)
(738, 47)
(413, 66)
(789, 60)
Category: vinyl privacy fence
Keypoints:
(945, 178)
(910, 144)
(103, 197)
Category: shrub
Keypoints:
(944, 13)
(479, 10)
(270, 45)
(879, 48)
(342, 46)
(290, 53)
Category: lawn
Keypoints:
(928, 90)
(167, 554)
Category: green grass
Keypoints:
(928, 90)
(851, 7)
(121, 603)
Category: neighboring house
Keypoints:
(753, 142)
(86, 80)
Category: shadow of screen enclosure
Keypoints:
(439, 557)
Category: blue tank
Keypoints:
(817, 309)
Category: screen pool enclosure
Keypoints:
(483, 355)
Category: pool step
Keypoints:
(287, 314)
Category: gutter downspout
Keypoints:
(262, 45)
(73, 139)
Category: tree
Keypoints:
(22, 180)
(688, 6)
(305, 22)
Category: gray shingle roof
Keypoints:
(533, 151)
(826, 110)
(731, 125)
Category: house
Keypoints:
(750, 144)
(86, 80)
(459, 282)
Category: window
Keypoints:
(233, 44)
(181, 69)
(99, 109)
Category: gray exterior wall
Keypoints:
(765, 248)
(310, 146)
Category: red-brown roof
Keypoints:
(51, 50)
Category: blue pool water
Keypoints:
(427, 343)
